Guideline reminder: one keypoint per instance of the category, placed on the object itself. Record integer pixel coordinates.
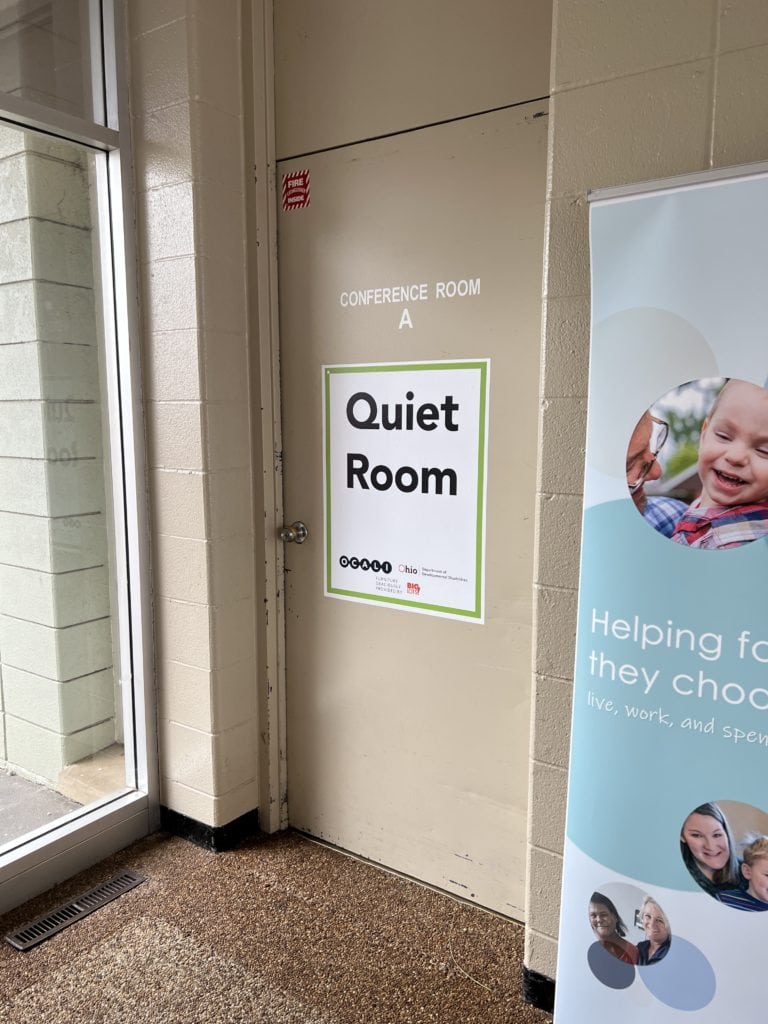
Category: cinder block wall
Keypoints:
(187, 123)
(57, 683)
(639, 91)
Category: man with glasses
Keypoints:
(646, 442)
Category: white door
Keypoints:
(408, 733)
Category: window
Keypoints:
(76, 754)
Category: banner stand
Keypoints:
(663, 901)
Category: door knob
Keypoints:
(295, 533)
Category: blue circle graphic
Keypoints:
(684, 979)
(609, 969)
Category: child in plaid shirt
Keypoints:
(733, 466)
(754, 868)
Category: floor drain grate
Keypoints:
(43, 928)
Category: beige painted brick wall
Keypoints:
(639, 91)
(56, 663)
(187, 120)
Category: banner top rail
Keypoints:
(677, 181)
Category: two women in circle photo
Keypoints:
(611, 931)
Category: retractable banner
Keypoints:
(665, 885)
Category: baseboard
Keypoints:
(538, 989)
(217, 839)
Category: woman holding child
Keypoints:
(732, 508)
(708, 850)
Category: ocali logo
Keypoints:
(365, 564)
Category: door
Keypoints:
(408, 733)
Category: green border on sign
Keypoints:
(482, 366)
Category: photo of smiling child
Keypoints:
(732, 508)
(754, 870)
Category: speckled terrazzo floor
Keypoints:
(279, 931)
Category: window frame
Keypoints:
(75, 841)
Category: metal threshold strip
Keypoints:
(42, 928)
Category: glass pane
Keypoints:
(45, 52)
(60, 705)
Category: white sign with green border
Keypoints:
(405, 455)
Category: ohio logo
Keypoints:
(365, 564)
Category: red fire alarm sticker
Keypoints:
(296, 190)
